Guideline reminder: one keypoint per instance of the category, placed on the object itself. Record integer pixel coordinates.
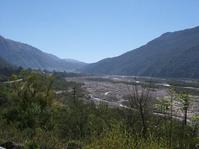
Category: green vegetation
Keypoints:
(34, 116)
(7, 69)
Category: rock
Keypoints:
(11, 145)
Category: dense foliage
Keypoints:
(33, 115)
(6, 69)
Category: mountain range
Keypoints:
(173, 54)
(26, 56)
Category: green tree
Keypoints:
(184, 98)
(32, 100)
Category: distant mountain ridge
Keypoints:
(81, 64)
(24, 55)
(173, 54)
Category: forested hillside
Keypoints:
(6, 70)
(26, 56)
(173, 54)
(44, 111)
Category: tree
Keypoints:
(32, 99)
(172, 95)
(195, 124)
(140, 99)
(184, 98)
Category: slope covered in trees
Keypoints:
(26, 56)
(173, 54)
(7, 70)
(32, 115)
(4, 64)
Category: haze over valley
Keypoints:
(99, 74)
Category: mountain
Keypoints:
(6, 70)
(4, 64)
(78, 64)
(24, 55)
(173, 54)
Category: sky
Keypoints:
(91, 30)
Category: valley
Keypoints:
(114, 90)
(99, 74)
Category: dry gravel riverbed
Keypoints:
(113, 90)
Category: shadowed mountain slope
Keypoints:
(24, 55)
(173, 54)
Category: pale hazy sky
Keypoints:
(90, 30)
